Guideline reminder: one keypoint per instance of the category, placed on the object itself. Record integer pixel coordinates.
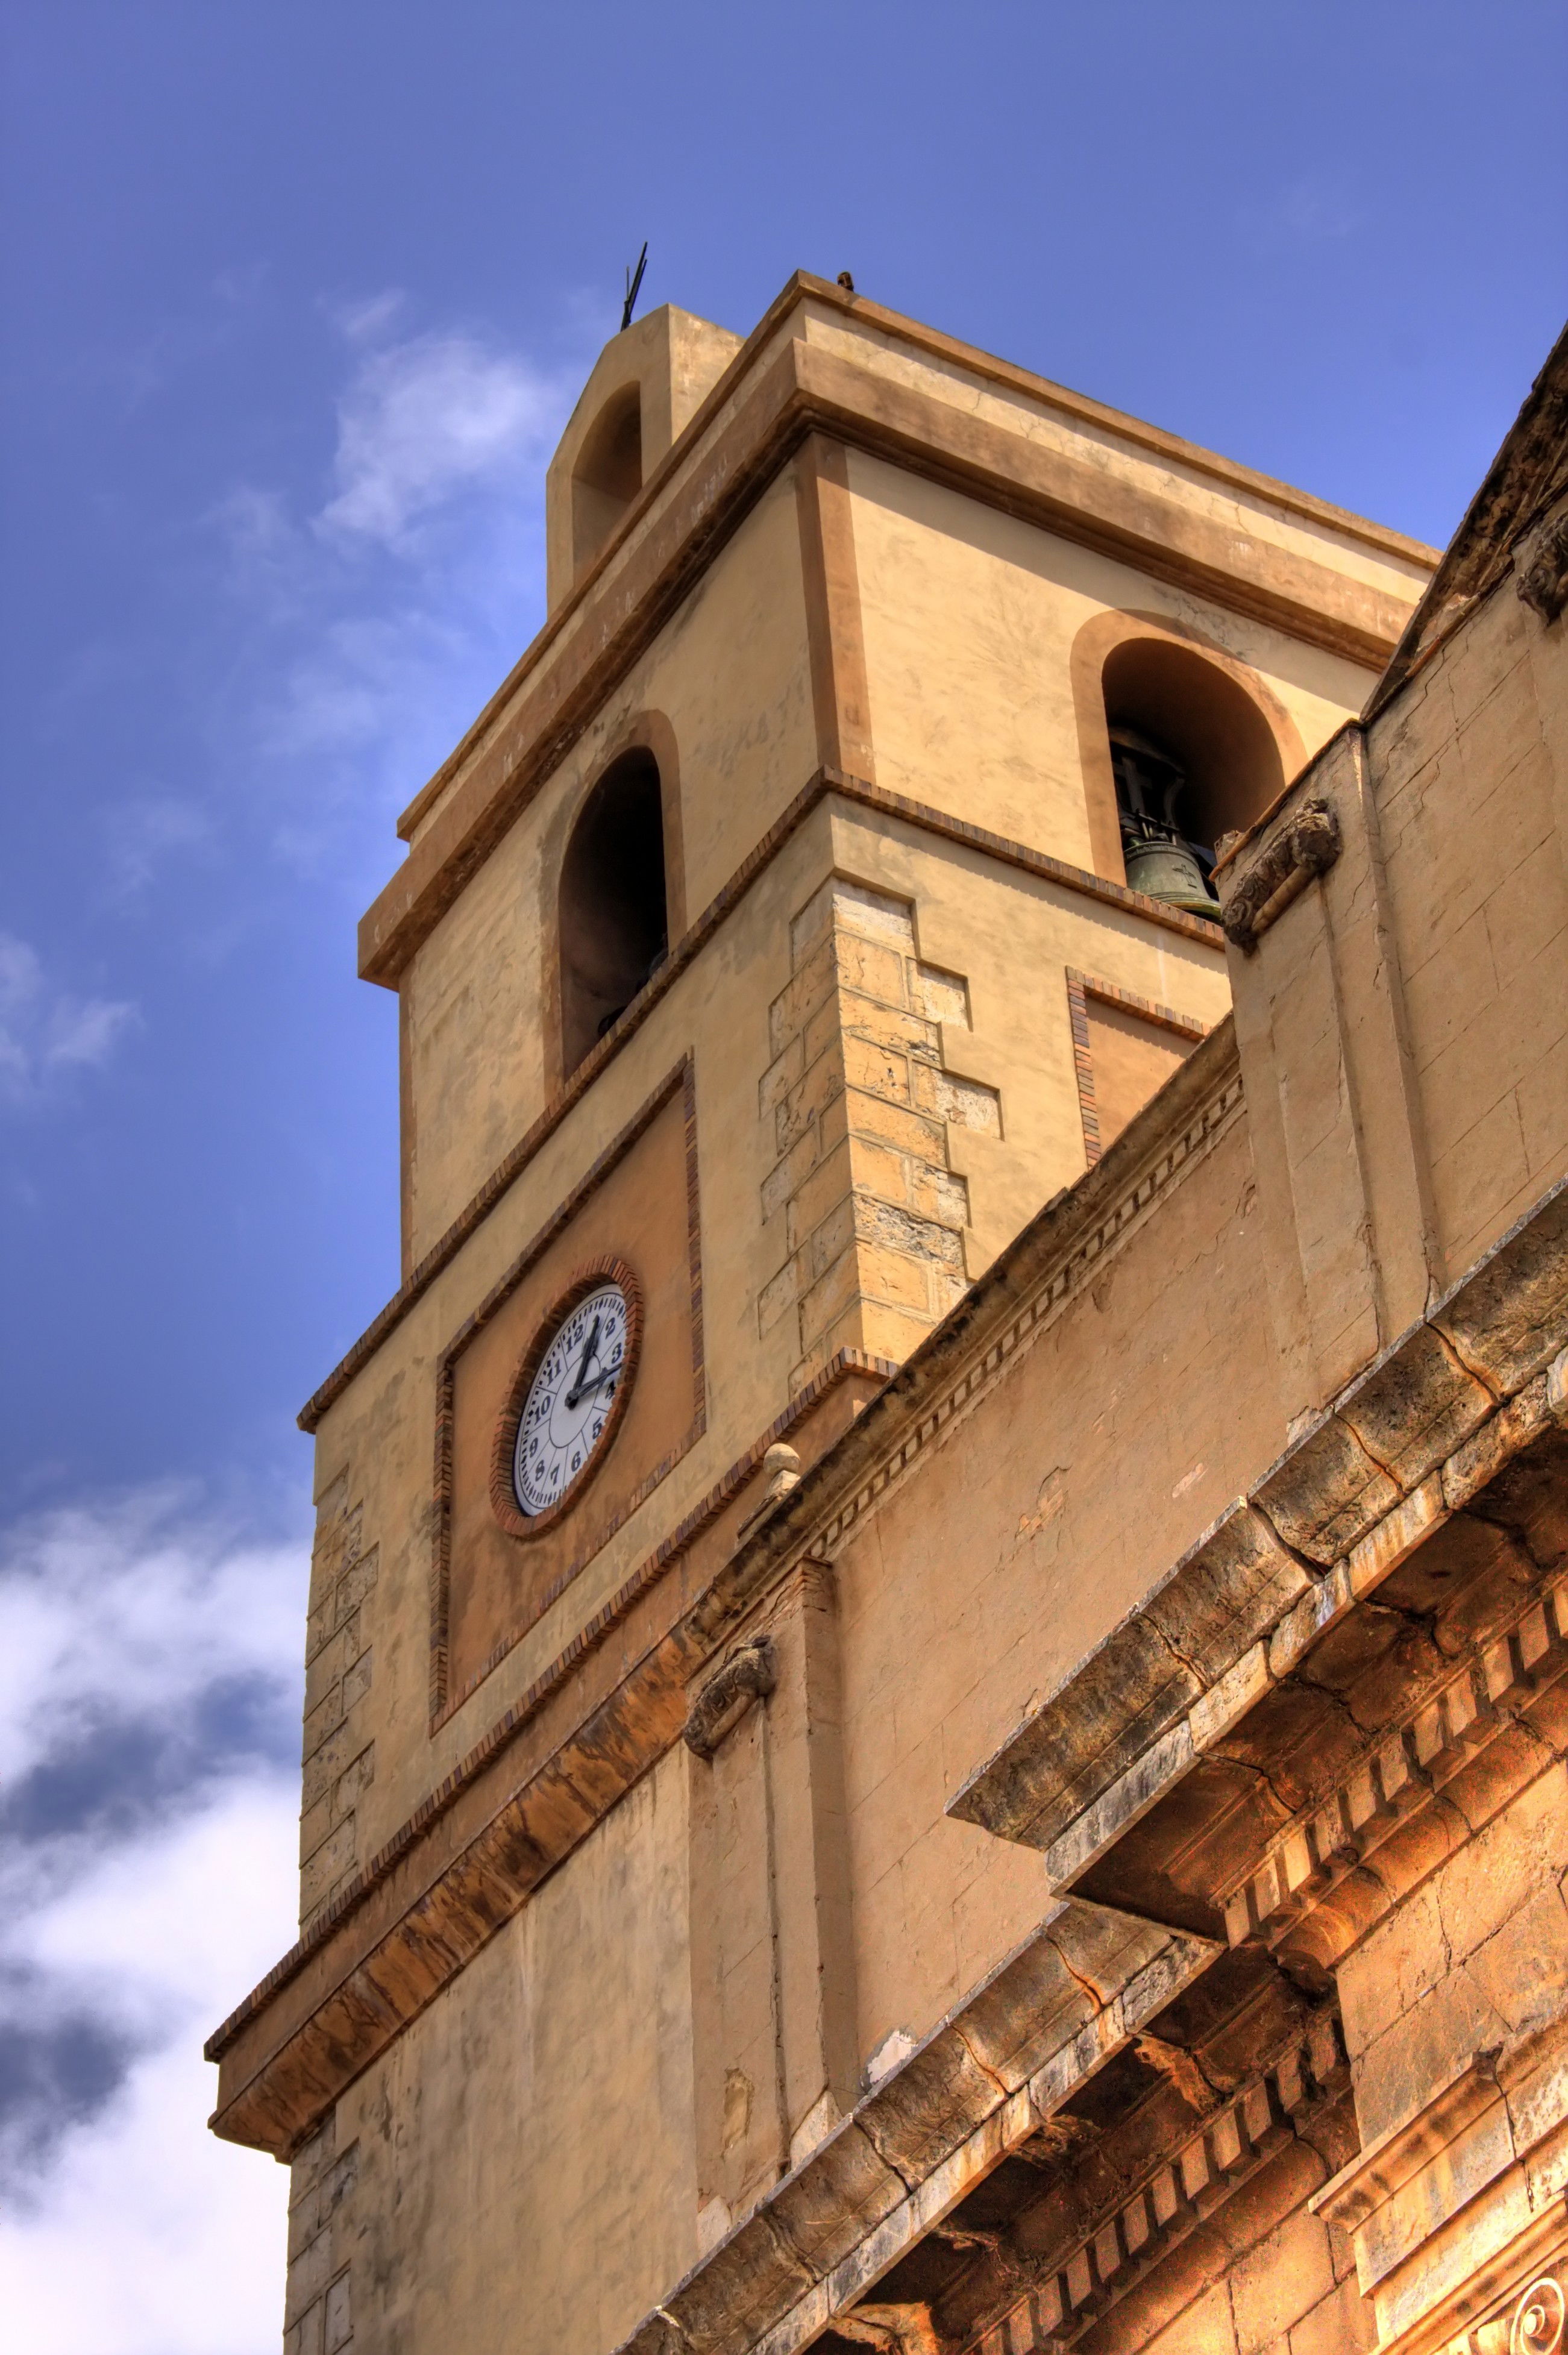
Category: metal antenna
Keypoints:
(634, 279)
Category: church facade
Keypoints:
(937, 1674)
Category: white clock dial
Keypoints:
(567, 1411)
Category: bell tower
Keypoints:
(822, 892)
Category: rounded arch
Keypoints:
(1217, 722)
(608, 473)
(612, 925)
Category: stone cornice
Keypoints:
(981, 2085)
(1528, 474)
(824, 783)
(479, 1844)
(674, 530)
(857, 309)
(1411, 1442)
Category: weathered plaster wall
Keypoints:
(1472, 802)
(524, 2175)
(1033, 415)
(1030, 1527)
(729, 677)
(969, 618)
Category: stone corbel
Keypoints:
(1539, 2321)
(748, 1675)
(1534, 2324)
(1541, 567)
(894, 2330)
(1306, 848)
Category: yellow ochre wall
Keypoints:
(878, 1032)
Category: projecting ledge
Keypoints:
(1412, 1440)
(984, 2083)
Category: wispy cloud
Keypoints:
(425, 420)
(371, 623)
(47, 1032)
(148, 1794)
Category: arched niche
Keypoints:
(613, 908)
(1167, 692)
(608, 473)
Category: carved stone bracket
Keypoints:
(1533, 2323)
(894, 2330)
(1308, 845)
(746, 1676)
(1541, 567)
(1539, 2321)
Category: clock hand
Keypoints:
(610, 1373)
(575, 1394)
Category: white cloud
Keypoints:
(149, 1709)
(371, 626)
(132, 1610)
(425, 420)
(140, 2233)
(364, 320)
(46, 1031)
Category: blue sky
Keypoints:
(296, 297)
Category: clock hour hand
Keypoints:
(610, 1374)
(576, 1394)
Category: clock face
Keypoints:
(566, 1416)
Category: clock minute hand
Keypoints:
(574, 1395)
(609, 1375)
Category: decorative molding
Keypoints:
(1305, 847)
(1384, 2166)
(1205, 1123)
(1180, 2194)
(780, 1471)
(982, 2085)
(1412, 1441)
(1538, 2323)
(1404, 1773)
(1081, 989)
(748, 1675)
(824, 785)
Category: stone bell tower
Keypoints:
(767, 954)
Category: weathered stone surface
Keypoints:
(1509, 1319)
(1327, 1492)
(1414, 1406)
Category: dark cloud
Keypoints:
(53, 2078)
(119, 1775)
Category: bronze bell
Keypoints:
(1166, 869)
(1159, 859)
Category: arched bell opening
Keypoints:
(614, 920)
(608, 474)
(1193, 757)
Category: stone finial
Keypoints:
(748, 1675)
(1307, 847)
(780, 1472)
